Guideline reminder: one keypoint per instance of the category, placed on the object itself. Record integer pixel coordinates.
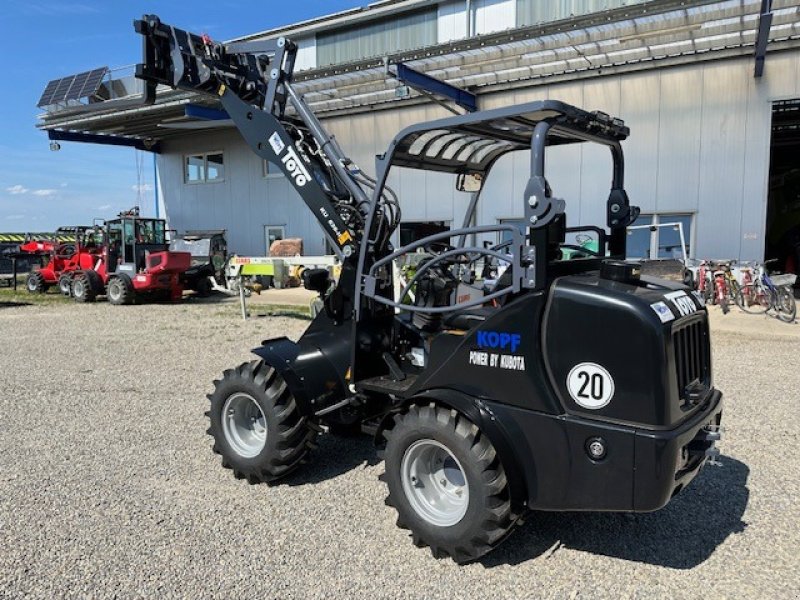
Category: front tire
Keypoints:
(446, 482)
(35, 283)
(256, 425)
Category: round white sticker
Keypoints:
(590, 385)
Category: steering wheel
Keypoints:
(65, 250)
(581, 249)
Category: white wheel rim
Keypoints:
(434, 483)
(244, 425)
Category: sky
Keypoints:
(47, 39)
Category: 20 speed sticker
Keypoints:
(590, 385)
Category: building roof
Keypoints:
(641, 36)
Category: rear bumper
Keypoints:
(641, 470)
(144, 282)
(665, 462)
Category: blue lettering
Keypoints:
(498, 339)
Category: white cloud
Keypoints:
(104, 207)
(15, 217)
(17, 189)
(64, 185)
(145, 187)
(43, 192)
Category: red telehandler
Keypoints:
(134, 263)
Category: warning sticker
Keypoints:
(663, 311)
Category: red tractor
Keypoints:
(61, 258)
(135, 262)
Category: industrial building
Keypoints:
(709, 89)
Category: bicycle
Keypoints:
(761, 293)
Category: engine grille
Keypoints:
(692, 358)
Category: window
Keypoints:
(273, 233)
(270, 169)
(200, 168)
(662, 239)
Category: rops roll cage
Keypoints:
(472, 144)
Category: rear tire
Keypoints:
(256, 425)
(204, 288)
(35, 283)
(446, 483)
(786, 305)
(82, 289)
(65, 284)
(119, 291)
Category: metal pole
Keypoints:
(155, 181)
(241, 297)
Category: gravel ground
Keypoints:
(108, 486)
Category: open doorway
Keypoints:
(782, 240)
(416, 230)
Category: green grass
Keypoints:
(268, 310)
(52, 297)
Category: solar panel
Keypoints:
(74, 87)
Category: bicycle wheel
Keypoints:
(754, 299)
(786, 305)
(733, 290)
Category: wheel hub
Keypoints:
(244, 425)
(434, 483)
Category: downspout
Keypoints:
(469, 18)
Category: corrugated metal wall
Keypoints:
(699, 143)
(534, 12)
(403, 32)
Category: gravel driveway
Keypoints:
(108, 486)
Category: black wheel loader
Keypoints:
(562, 381)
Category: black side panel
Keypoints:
(590, 320)
(558, 471)
(525, 384)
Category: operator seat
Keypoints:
(470, 317)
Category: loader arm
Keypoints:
(253, 83)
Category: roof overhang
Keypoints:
(643, 36)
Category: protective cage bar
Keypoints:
(519, 277)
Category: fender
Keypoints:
(481, 415)
(309, 375)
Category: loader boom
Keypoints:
(253, 82)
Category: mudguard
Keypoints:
(310, 376)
